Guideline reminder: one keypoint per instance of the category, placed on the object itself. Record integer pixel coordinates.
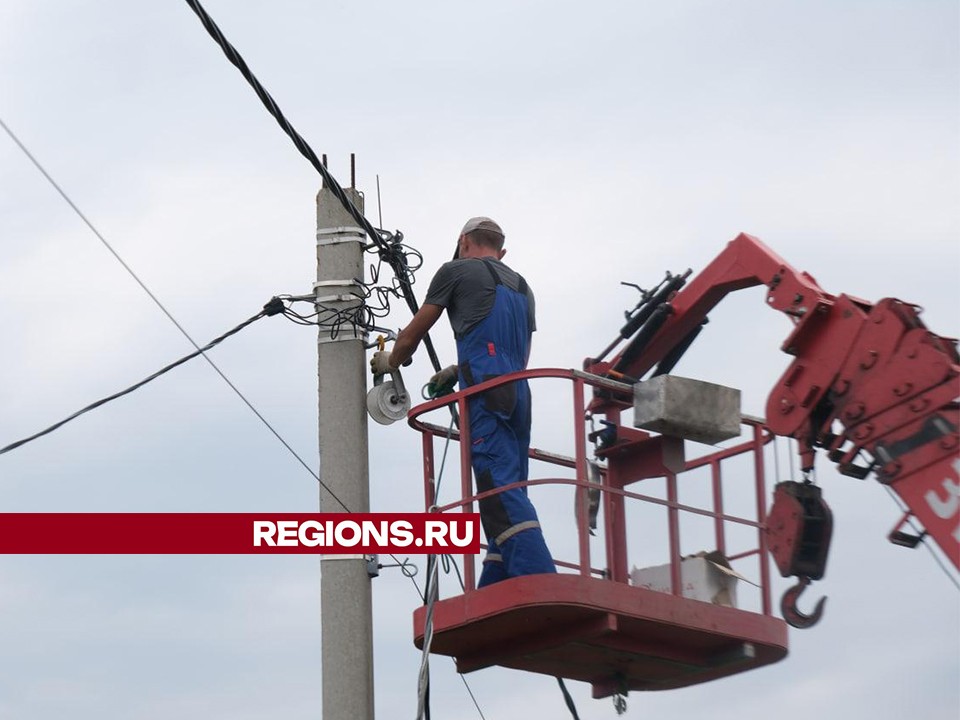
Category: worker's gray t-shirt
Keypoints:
(467, 290)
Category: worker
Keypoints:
(491, 310)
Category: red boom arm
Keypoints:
(867, 382)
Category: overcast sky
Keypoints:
(612, 141)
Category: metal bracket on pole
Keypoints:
(336, 283)
(337, 298)
(344, 297)
(344, 337)
(372, 561)
(345, 283)
(338, 235)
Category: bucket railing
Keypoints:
(613, 498)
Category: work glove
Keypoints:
(442, 383)
(380, 363)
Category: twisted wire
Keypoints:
(383, 241)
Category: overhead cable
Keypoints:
(272, 308)
(387, 245)
(568, 699)
(96, 232)
(470, 692)
(156, 300)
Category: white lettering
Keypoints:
(934, 502)
(402, 532)
(434, 532)
(287, 533)
(315, 533)
(373, 535)
(263, 532)
(310, 534)
(467, 537)
(945, 509)
(341, 528)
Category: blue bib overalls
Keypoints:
(500, 436)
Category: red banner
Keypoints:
(238, 533)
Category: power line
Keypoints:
(475, 704)
(157, 302)
(270, 104)
(272, 308)
(568, 699)
(96, 232)
(386, 244)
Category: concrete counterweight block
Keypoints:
(690, 409)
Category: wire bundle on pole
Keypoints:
(372, 298)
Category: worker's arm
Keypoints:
(410, 337)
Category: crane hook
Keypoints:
(793, 616)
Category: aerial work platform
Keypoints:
(595, 624)
(614, 636)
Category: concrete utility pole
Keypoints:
(345, 595)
